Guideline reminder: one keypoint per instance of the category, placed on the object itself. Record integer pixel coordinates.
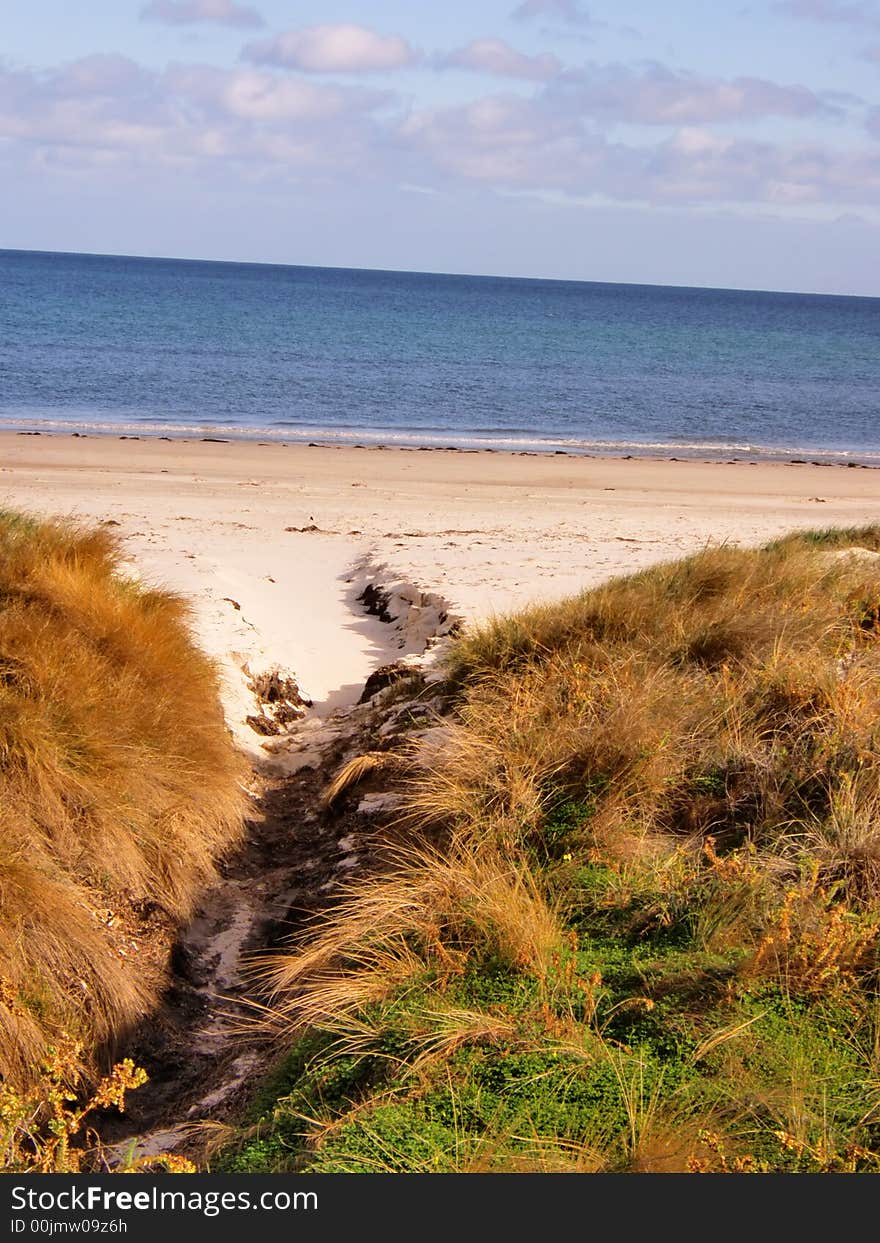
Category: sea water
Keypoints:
(181, 347)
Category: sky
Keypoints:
(681, 142)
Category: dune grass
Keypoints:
(644, 934)
(119, 786)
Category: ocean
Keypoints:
(133, 346)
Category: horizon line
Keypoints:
(561, 280)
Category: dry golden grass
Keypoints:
(119, 785)
(687, 759)
(423, 916)
(729, 701)
(355, 771)
(735, 694)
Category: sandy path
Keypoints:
(486, 531)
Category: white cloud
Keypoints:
(110, 111)
(190, 12)
(700, 143)
(500, 139)
(494, 56)
(108, 106)
(568, 11)
(101, 74)
(656, 95)
(537, 146)
(839, 11)
(333, 49)
(258, 98)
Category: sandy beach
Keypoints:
(274, 543)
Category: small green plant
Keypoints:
(44, 1129)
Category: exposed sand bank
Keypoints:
(273, 543)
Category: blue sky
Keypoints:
(679, 143)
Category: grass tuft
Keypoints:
(649, 940)
(119, 786)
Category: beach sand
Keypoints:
(274, 543)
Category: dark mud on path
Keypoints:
(202, 1049)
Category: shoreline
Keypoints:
(274, 549)
(365, 440)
